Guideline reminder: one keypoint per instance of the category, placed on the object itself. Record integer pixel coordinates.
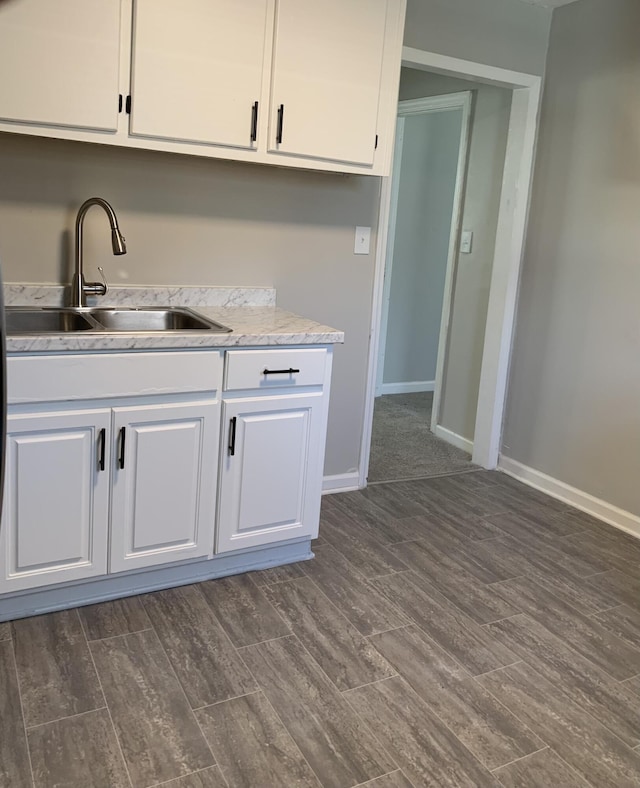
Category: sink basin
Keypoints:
(45, 321)
(54, 320)
(153, 319)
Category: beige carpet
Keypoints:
(403, 446)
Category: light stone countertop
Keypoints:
(252, 325)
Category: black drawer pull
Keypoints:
(232, 437)
(123, 435)
(290, 371)
(254, 122)
(103, 447)
(280, 124)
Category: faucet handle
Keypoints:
(104, 281)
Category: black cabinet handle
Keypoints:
(254, 122)
(232, 437)
(290, 371)
(123, 436)
(280, 123)
(102, 442)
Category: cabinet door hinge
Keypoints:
(127, 105)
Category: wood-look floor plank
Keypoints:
(252, 746)
(516, 559)
(624, 589)
(277, 574)
(394, 780)
(584, 634)
(5, 631)
(117, 617)
(205, 661)
(345, 655)
(15, 771)
(243, 610)
(77, 752)
(579, 679)
(362, 549)
(207, 778)
(534, 525)
(444, 509)
(541, 770)
(590, 748)
(482, 724)
(623, 622)
(440, 550)
(416, 738)
(602, 551)
(478, 601)
(392, 500)
(356, 598)
(338, 746)
(474, 648)
(55, 670)
(158, 733)
(633, 683)
(356, 508)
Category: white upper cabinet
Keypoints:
(197, 70)
(301, 83)
(59, 63)
(327, 63)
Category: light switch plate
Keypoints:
(363, 240)
(466, 241)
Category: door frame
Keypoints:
(508, 252)
(445, 103)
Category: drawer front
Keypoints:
(73, 377)
(273, 369)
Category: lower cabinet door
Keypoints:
(271, 475)
(164, 483)
(55, 515)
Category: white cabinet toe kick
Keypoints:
(130, 472)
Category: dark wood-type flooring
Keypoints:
(458, 631)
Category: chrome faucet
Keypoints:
(79, 288)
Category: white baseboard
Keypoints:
(412, 387)
(341, 482)
(625, 521)
(453, 438)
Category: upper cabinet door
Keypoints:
(327, 64)
(197, 70)
(59, 62)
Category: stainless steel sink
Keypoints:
(52, 320)
(153, 319)
(40, 320)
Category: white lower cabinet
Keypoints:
(271, 470)
(56, 508)
(164, 483)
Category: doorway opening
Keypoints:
(467, 293)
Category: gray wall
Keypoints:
(490, 125)
(431, 143)
(504, 33)
(198, 221)
(574, 398)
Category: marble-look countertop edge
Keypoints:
(251, 326)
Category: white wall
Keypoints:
(428, 169)
(200, 221)
(574, 396)
(489, 128)
(504, 33)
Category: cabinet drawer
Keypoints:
(272, 369)
(73, 377)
